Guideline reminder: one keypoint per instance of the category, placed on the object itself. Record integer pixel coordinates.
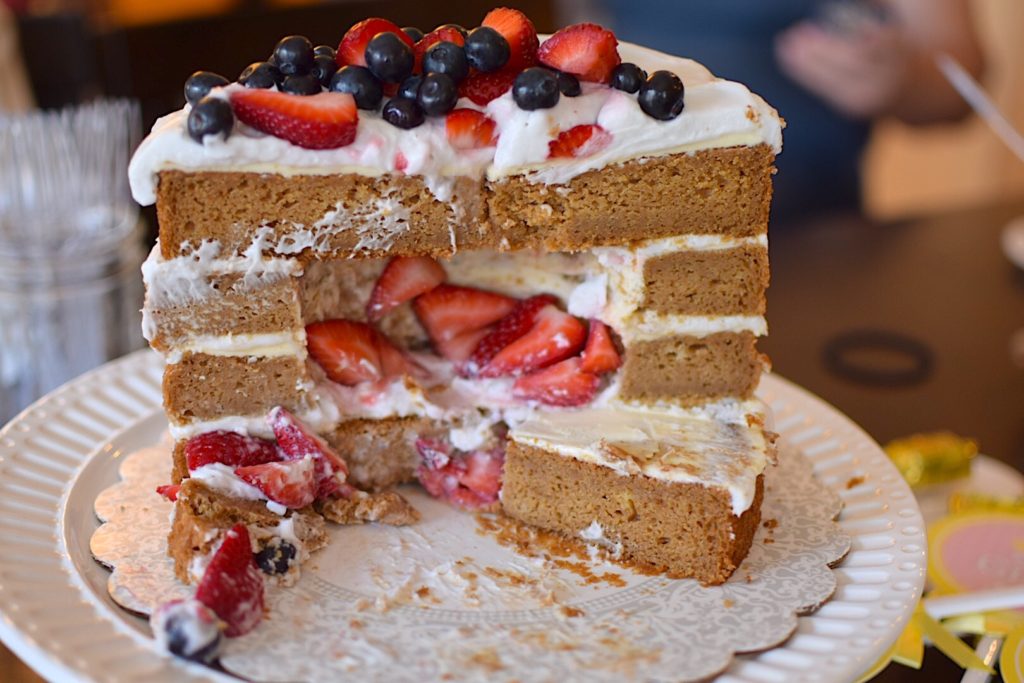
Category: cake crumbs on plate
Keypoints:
(854, 482)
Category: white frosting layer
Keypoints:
(714, 445)
(222, 478)
(718, 113)
(269, 345)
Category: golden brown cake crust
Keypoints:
(715, 282)
(685, 530)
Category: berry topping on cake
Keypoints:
(291, 483)
(323, 121)
(446, 58)
(294, 55)
(587, 51)
(448, 311)
(298, 441)
(200, 84)
(568, 85)
(210, 116)
(555, 335)
(510, 328)
(260, 75)
(358, 82)
(415, 34)
(229, 448)
(325, 51)
(579, 141)
(441, 34)
(518, 31)
(301, 84)
(188, 629)
(599, 355)
(437, 94)
(628, 77)
(536, 88)
(403, 279)
(471, 481)
(352, 48)
(169, 491)
(346, 350)
(459, 348)
(486, 49)
(563, 384)
(276, 557)
(324, 68)
(470, 129)
(389, 57)
(232, 585)
(403, 112)
(661, 96)
(410, 87)
(481, 88)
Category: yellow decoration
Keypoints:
(979, 502)
(1011, 659)
(975, 550)
(932, 458)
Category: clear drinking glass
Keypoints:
(70, 247)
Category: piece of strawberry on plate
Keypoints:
(297, 441)
(232, 585)
(327, 120)
(471, 481)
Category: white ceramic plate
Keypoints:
(57, 616)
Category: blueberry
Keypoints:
(661, 96)
(389, 57)
(201, 83)
(486, 49)
(294, 55)
(454, 26)
(535, 88)
(628, 77)
(188, 629)
(414, 33)
(305, 84)
(323, 69)
(568, 84)
(260, 75)
(410, 87)
(437, 94)
(402, 112)
(210, 116)
(276, 557)
(360, 83)
(446, 58)
(324, 51)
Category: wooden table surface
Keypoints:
(942, 281)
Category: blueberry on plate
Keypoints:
(201, 83)
(486, 49)
(414, 33)
(210, 116)
(661, 96)
(323, 69)
(437, 94)
(324, 51)
(568, 84)
(402, 112)
(301, 84)
(389, 57)
(446, 58)
(535, 88)
(260, 75)
(276, 557)
(410, 87)
(294, 55)
(628, 77)
(360, 83)
(188, 629)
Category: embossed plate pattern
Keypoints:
(55, 613)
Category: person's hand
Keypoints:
(860, 73)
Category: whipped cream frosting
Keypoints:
(718, 113)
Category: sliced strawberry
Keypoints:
(510, 328)
(169, 491)
(394, 362)
(404, 278)
(440, 34)
(448, 311)
(290, 483)
(326, 120)
(518, 30)
(459, 348)
(562, 384)
(232, 585)
(579, 141)
(587, 51)
(346, 350)
(352, 48)
(481, 88)
(229, 448)
(470, 129)
(599, 355)
(467, 480)
(296, 441)
(555, 335)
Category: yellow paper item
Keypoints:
(932, 458)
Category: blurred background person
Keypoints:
(830, 68)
